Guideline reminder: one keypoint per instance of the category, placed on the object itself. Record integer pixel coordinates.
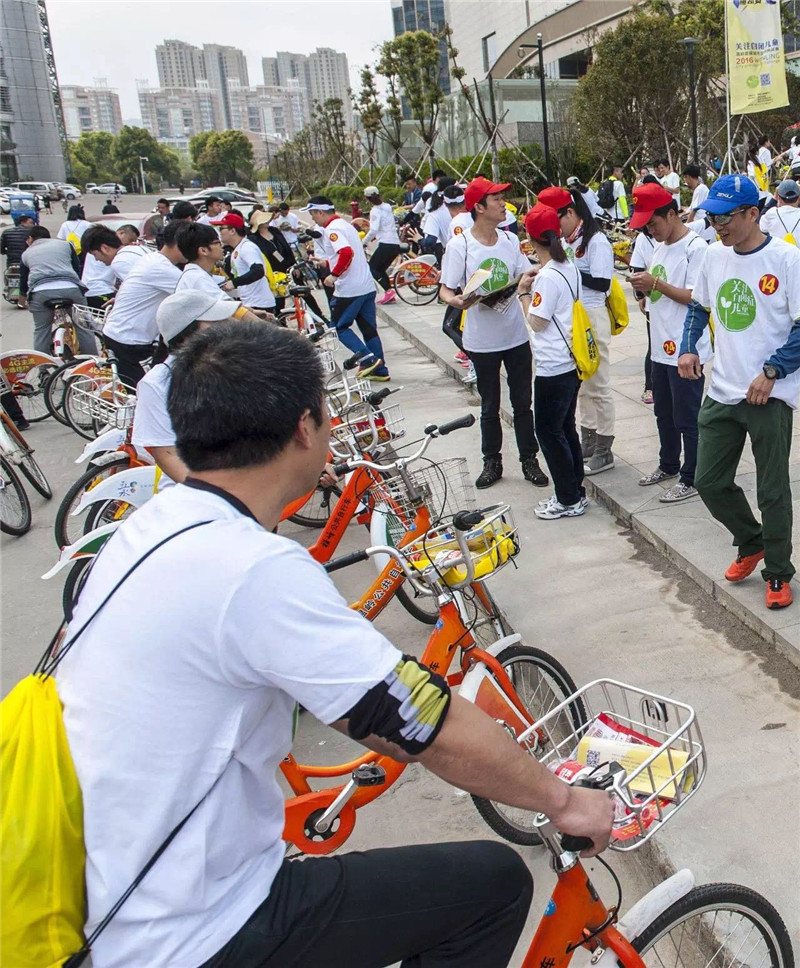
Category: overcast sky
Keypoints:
(117, 40)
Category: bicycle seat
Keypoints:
(58, 303)
(299, 290)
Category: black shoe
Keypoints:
(533, 473)
(22, 423)
(491, 473)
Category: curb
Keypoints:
(630, 519)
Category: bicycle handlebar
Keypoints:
(460, 423)
(345, 561)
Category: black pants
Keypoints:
(384, 255)
(518, 363)
(97, 302)
(554, 401)
(648, 362)
(457, 904)
(676, 403)
(130, 356)
(11, 406)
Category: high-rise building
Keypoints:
(329, 77)
(179, 64)
(225, 68)
(269, 109)
(173, 115)
(429, 15)
(294, 67)
(216, 67)
(269, 67)
(89, 109)
(30, 112)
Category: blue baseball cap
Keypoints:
(730, 192)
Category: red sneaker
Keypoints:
(779, 595)
(743, 566)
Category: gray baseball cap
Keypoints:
(789, 190)
(181, 309)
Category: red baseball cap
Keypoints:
(479, 188)
(555, 197)
(541, 219)
(646, 199)
(230, 218)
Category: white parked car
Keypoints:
(69, 192)
(109, 188)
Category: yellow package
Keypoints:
(594, 750)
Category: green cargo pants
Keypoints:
(723, 429)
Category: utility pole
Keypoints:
(545, 132)
(141, 172)
(690, 43)
(493, 142)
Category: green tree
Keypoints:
(92, 157)
(197, 144)
(370, 112)
(329, 125)
(227, 156)
(388, 67)
(130, 145)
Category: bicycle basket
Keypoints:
(653, 741)
(96, 399)
(492, 545)
(366, 427)
(341, 396)
(87, 317)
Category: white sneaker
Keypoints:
(553, 500)
(556, 510)
(678, 492)
(470, 377)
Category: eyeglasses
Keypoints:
(724, 219)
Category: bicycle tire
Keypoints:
(512, 824)
(54, 391)
(15, 506)
(84, 425)
(307, 520)
(29, 392)
(76, 579)
(423, 296)
(64, 534)
(708, 902)
(36, 476)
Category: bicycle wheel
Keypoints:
(68, 528)
(481, 614)
(714, 926)
(35, 475)
(76, 579)
(317, 509)
(75, 406)
(30, 392)
(541, 683)
(416, 283)
(15, 508)
(55, 388)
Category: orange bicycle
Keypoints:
(513, 683)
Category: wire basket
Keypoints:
(99, 401)
(87, 317)
(492, 545)
(366, 427)
(341, 396)
(652, 744)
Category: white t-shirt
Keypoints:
(458, 224)
(486, 330)
(753, 299)
(699, 195)
(126, 259)
(195, 277)
(257, 294)
(289, 225)
(642, 251)
(751, 174)
(706, 232)
(781, 220)
(132, 318)
(76, 227)
(678, 265)
(234, 625)
(765, 156)
(98, 277)
(382, 226)
(671, 181)
(356, 280)
(618, 210)
(437, 224)
(593, 202)
(597, 260)
(207, 219)
(152, 426)
(555, 289)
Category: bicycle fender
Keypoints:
(503, 643)
(87, 546)
(135, 487)
(109, 440)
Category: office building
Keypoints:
(269, 109)
(226, 70)
(269, 68)
(216, 67)
(90, 109)
(173, 115)
(329, 76)
(30, 108)
(431, 15)
(179, 64)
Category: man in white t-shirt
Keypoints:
(353, 287)
(248, 266)
(383, 230)
(234, 626)
(202, 248)
(669, 179)
(214, 210)
(751, 283)
(618, 210)
(127, 257)
(494, 338)
(673, 269)
(783, 220)
(97, 275)
(130, 328)
(288, 223)
(694, 181)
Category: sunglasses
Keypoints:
(726, 218)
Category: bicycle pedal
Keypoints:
(368, 774)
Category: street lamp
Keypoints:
(545, 133)
(142, 158)
(690, 43)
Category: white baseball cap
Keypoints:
(371, 190)
(181, 309)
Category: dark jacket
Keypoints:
(110, 209)
(13, 242)
(278, 251)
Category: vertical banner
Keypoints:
(756, 65)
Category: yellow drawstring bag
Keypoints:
(75, 242)
(585, 352)
(617, 306)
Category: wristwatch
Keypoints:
(771, 372)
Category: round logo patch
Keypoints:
(768, 284)
(457, 230)
(334, 237)
(669, 347)
(569, 252)
(499, 275)
(537, 299)
(657, 272)
(736, 305)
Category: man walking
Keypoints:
(674, 267)
(751, 283)
(698, 188)
(382, 228)
(494, 337)
(612, 196)
(354, 288)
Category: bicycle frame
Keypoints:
(13, 445)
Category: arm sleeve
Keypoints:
(786, 359)
(454, 270)
(693, 327)
(23, 277)
(601, 264)
(345, 257)
(599, 285)
(253, 274)
(152, 426)
(374, 224)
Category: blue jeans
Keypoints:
(676, 404)
(346, 310)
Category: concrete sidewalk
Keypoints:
(685, 533)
